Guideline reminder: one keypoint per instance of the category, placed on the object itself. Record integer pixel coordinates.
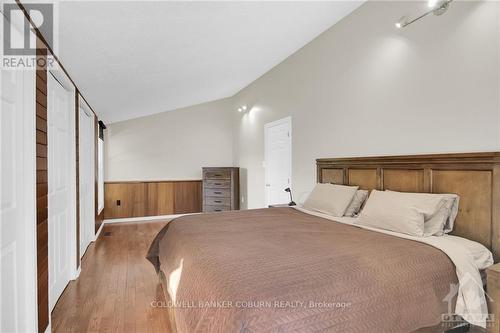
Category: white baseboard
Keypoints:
(145, 218)
(78, 271)
(98, 232)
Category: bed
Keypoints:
(285, 269)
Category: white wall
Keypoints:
(365, 88)
(361, 88)
(170, 145)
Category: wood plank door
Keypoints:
(61, 206)
(17, 199)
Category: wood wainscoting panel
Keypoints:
(151, 198)
(335, 176)
(111, 194)
(160, 199)
(188, 197)
(403, 180)
(125, 200)
(366, 179)
(112, 207)
(475, 191)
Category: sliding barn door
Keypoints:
(61, 217)
(17, 199)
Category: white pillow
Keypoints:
(356, 203)
(330, 199)
(442, 221)
(448, 227)
(400, 213)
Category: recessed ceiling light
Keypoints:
(240, 109)
(244, 107)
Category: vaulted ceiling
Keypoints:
(135, 58)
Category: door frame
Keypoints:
(28, 145)
(60, 76)
(288, 121)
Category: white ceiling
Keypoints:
(132, 59)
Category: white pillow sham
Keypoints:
(330, 199)
(356, 203)
(442, 221)
(400, 213)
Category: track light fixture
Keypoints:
(438, 7)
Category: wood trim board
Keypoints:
(42, 191)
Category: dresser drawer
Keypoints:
(218, 192)
(216, 174)
(217, 183)
(214, 201)
(209, 209)
(220, 188)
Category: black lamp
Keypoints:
(291, 203)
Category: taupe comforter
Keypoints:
(281, 270)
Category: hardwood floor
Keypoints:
(116, 286)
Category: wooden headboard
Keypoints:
(473, 176)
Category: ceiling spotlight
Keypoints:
(403, 22)
(240, 109)
(440, 6)
(437, 7)
(432, 3)
(244, 107)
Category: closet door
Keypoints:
(17, 199)
(87, 179)
(61, 160)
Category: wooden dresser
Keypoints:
(221, 189)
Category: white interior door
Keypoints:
(87, 167)
(278, 155)
(17, 199)
(61, 141)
